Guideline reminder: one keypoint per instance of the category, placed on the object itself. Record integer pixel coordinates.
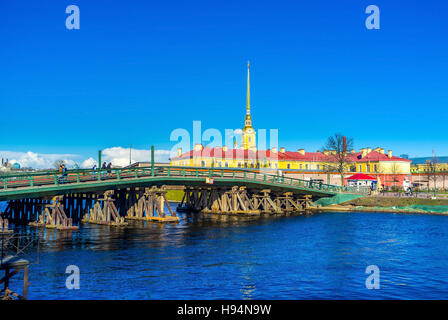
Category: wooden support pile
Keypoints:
(306, 201)
(265, 203)
(239, 201)
(12, 266)
(105, 212)
(4, 225)
(236, 201)
(54, 217)
(185, 204)
(23, 211)
(151, 205)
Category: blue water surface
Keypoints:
(320, 256)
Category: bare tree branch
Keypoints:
(336, 148)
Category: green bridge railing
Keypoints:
(55, 178)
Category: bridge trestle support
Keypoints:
(4, 225)
(104, 212)
(238, 201)
(151, 206)
(54, 217)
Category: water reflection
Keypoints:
(318, 256)
(248, 285)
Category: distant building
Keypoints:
(365, 160)
(376, 161)
(429, 171)
(360, 180)
(4, 162)
(426, 164)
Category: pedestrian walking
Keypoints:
(60, 176)
(93, 171)
(103, 169)
(109, 166)
(64, 174)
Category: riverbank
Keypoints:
(395, 201)
(392, 205)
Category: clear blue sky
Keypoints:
(136, 70)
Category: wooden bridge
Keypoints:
(48, 199)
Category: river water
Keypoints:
(320, 256)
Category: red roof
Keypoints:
(360, 176)
(287, 155)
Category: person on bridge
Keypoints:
(60, 176)
(93, 171)
(103, 168)
(280, 176)
(109, 166)
(64, 174)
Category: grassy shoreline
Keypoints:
(394, 202)
(174, 195)
(392, 205)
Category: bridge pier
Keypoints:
(54, 217)
(24, 210)
(4, 225)
(76, 204)
(238, 201)
(111, 207)
(150, 206)
(104, 212)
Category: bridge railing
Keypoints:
(250, 175)
(35, 179)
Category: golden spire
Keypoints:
(248, 91)
(248, 137)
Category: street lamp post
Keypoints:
(152, 161)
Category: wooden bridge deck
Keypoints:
(50, 183)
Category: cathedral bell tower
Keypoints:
(248, 136)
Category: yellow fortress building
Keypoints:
(387, 168)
